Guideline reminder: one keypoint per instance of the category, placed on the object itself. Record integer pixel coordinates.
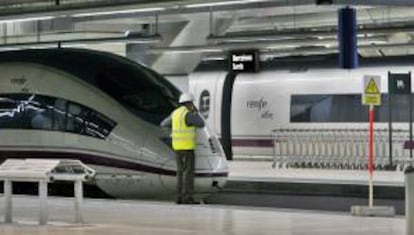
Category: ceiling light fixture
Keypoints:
(152, 9)
(27, 19)
(213, 4)
(131, 38)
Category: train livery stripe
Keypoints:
(100, 161)
(259, 143)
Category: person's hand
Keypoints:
(195, 110)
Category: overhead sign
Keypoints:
(244, 61)
(372, 90)
(399, 83)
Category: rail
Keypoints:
(337, 148)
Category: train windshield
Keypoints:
(144, 92)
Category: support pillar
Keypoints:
(43, 216)
(78, 201)
(409, 200)
(8, 193)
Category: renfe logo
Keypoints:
(261, 106)
(204, 103)
(244, 61)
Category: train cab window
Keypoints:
(149, 104)
(25, 111)
(142, 92)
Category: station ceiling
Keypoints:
(173, 36)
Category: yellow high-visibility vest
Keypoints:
(183, 136)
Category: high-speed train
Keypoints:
(104, 110)
(306, 93)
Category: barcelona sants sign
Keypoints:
(244, 61)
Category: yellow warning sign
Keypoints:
(371, 99)
(371, 87)
(371, 94)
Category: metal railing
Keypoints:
(337, 148)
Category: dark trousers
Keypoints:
(185, 175)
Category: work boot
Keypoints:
(191, 201)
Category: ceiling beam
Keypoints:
(396, 27)
(101, 10)
(280, 44)
(304, 51)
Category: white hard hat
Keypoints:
(185, 97)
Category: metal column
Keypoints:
(409, 200)
(390, 123)
(411, 123)
(8, 192)
(78, 201)
(43, 216)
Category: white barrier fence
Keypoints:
(337, 148)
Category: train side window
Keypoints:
(85, 121)
(76, 118)
(98, 125)
(39, 113)
(345, 108)
(29, 111)
(11, 112)
(59, 114)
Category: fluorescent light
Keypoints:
(217, 57)
(27, 19)
(81, 42)
(119, 12)
(41, 46)
(74, 45)
(212, 4)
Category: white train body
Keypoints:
(262, 102)
(131, 157)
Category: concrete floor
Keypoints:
(121, 217)
(263, 171)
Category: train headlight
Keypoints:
(212, 146)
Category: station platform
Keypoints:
(256, 183)
(108, 216)
(262, 171)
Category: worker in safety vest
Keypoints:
(184, 121)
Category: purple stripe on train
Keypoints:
(99, 160)
(408, 145)
(261, 143)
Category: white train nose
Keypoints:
(221, 172)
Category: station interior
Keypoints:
(306, 108)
